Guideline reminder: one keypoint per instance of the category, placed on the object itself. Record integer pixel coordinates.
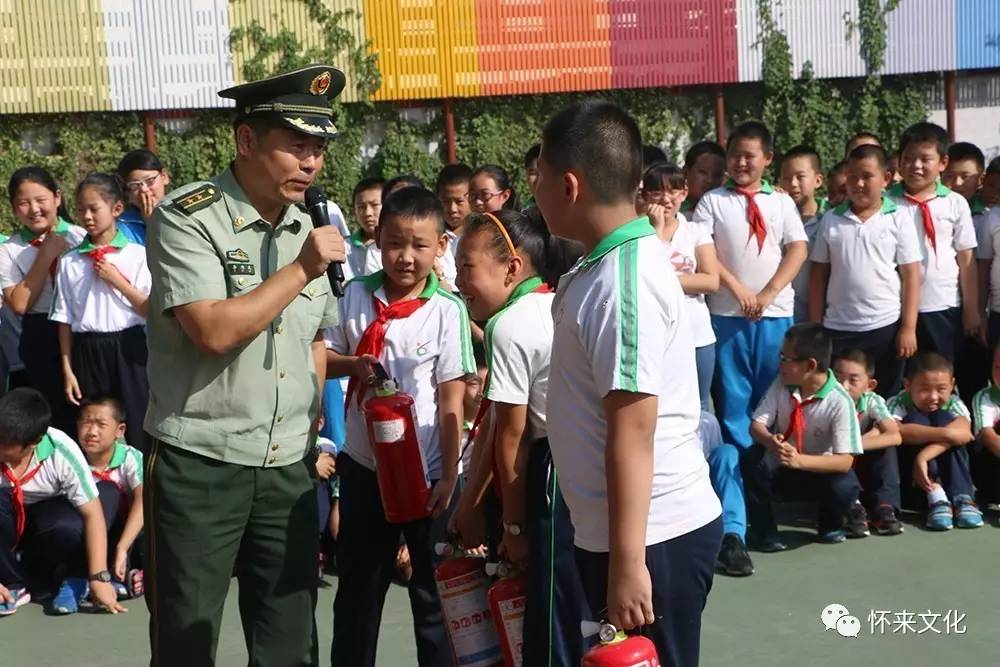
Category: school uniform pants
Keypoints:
(950, 469)
(727, 480)
(39, 350)
(555, 603)
(878, 473)
(993, 330)
(202, 518)
(940, 331)
(366, 554)
(681, 571)
(114, 364)
(52, 545)
(880, 346)
(767, 482)
(986, 475)
(746, 355)
(704, 359)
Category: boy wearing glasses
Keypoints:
(807, 434)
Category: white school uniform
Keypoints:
(90, 304)
(686, 240)
(901, 405)
(518, 351)
(357, 253)
(800, 283)
(871, 409)
(709, 432)
(830, 422)
(985, 408)
(63, 471)
(863, 293)
(124, 469)
(447, 261)
(431, 346)
(620, 324)
(373, 259)
(17, 255)
(725, 212)
(954, 232)
(989, 249)
(979, 212)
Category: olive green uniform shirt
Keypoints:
(253, 406)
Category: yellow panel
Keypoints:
(294, 15)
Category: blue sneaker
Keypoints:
(967, 513)
(67, 599)
(939, 516)
(834, 536)
(21, 597)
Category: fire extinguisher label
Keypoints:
(512, 617)
(389, 431)
(466, 611)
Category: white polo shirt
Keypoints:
(709, 432)
(64, 472)
(831, 424)
(939, 288)
(518, 349)
(901, 405)
(989, 249)
(447, 260)
(871, 409)
(90, 304)
(620, 324)
(863, 292)
(985, 408)
(124, 468)
(725, 212)
(431, 346)
(979, 212)
(686, 240)
(17, 256)
(373, 259)
(800, 283)
(357, 253)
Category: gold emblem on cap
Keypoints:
(320, 84)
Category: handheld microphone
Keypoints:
(316, 205)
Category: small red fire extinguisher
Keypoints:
(462, 584)
(618, 649)
(507, 597)
(400, 467)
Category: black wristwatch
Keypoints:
(102, 576)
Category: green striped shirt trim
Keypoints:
(523, 288)
(83, 475)
(982, 398)
(628, 315)
(855, 427)
(468, 358)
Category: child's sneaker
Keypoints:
(733, 557)
(121, 590)
(67, 599)
(939, 516)
(967, 514)
(21, 597)
(886, 522)
(831, 536)
(856, 521)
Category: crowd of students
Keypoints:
(638, 362)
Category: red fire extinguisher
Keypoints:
(462, 584)
(400, 467)
(507, 597)
(618, 649)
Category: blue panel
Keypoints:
(977, 34)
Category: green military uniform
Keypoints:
(228, 479)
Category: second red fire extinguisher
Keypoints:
(462, 584)
(400, 468)
(507, 597)
(618, 649)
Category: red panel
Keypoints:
(672, 42)
(542, 46)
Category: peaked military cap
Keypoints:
(300, 99)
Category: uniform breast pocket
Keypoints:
(305, 313)
(242, 283)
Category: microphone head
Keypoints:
(314, 196)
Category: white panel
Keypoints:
(921, 36)
(167, 55)
(817, 32)
(747, 34)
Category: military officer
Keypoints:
(238, 303)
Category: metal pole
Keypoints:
(449, 129)
(950, 101)
(149, 130)
(720, 116)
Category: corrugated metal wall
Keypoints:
(79, 55)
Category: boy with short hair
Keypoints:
(985, 417)
(800, 177)
(401, 318)
(49, 508)
(861, 139)
(531, 170)
(453, 192)
(878, 466)
(949, 303)
(366, 204)
(761, 246)
(704, 170)
(935, 426)
(865, 279)
(807, 435)
(117, 471)
(623, 395)
(836, 186)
